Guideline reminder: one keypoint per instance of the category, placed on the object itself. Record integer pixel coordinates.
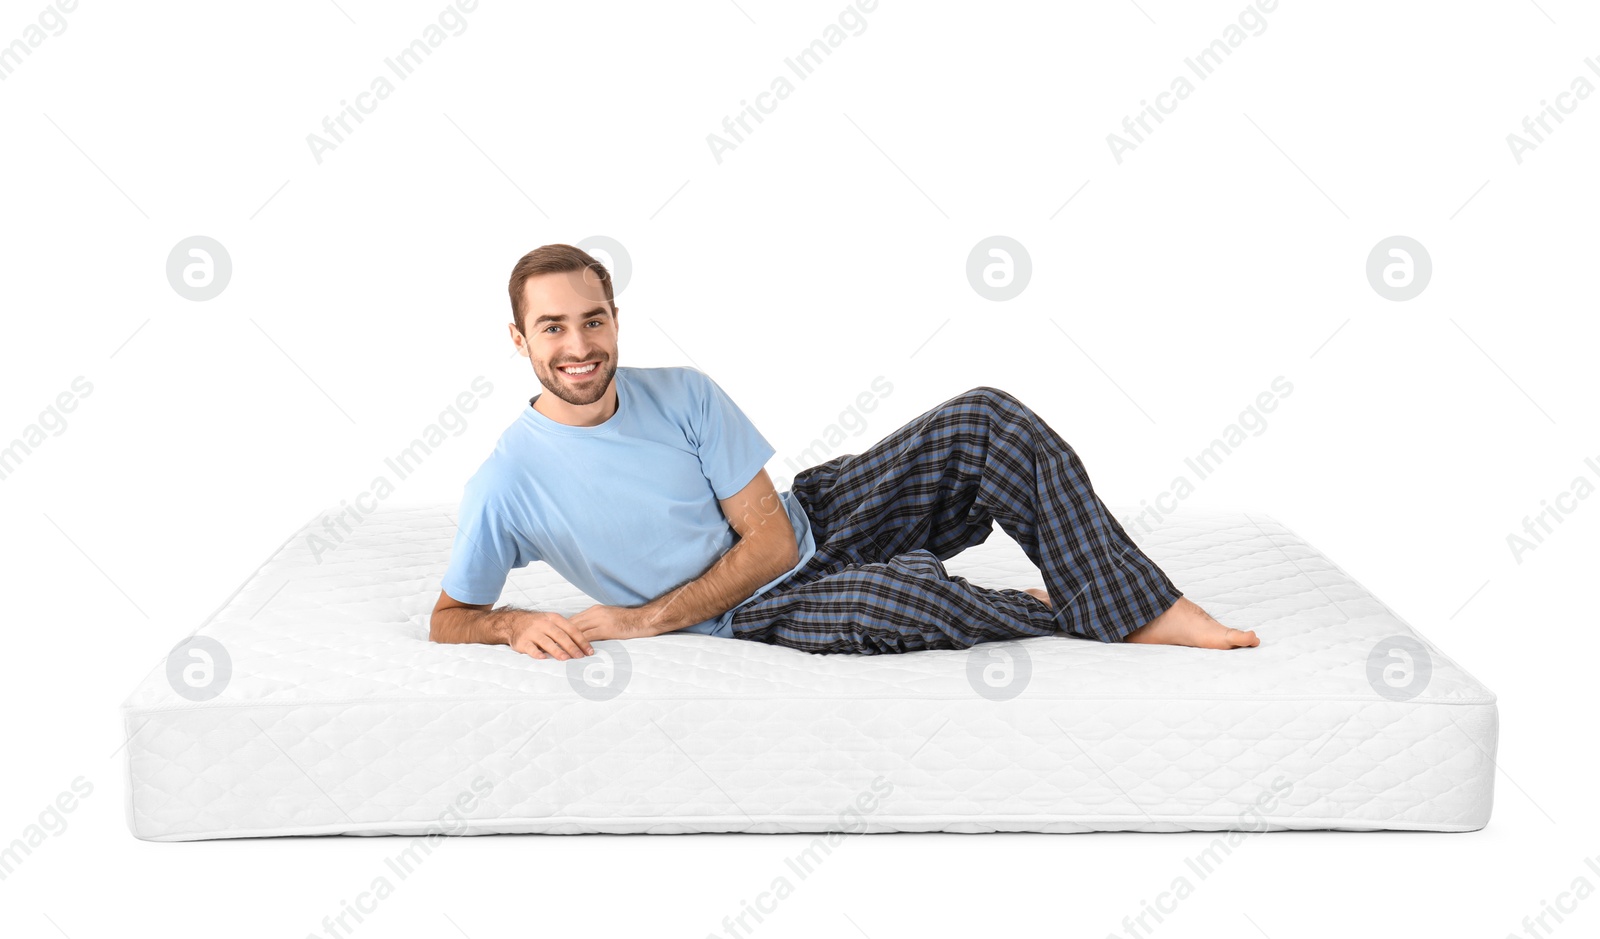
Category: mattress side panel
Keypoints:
(468, 767)
(130, 797)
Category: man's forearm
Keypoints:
(727, 583)
(460, 624)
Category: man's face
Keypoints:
(568, 322)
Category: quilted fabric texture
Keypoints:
(340, 717)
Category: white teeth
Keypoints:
(578, 371)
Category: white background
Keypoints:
(828, 248)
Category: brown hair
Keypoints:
(554, 259)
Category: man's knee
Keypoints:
(986, 395)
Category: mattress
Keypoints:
(312, 703)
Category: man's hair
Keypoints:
(554, 259)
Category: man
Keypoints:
(645, 487)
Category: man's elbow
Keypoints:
(776, 552)
(446, 622)
(788, 555)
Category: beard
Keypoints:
(588, 391)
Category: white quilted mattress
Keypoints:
(338, 716)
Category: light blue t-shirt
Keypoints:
(625, 510)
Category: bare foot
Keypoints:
(1185, 624)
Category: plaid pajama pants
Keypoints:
(886, 519)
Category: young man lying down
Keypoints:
(645, 488)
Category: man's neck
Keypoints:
(577, 415)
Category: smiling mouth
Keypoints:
(579, 370)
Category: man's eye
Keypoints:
(548, 328)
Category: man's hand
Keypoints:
(611, 622)
(550, 635)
